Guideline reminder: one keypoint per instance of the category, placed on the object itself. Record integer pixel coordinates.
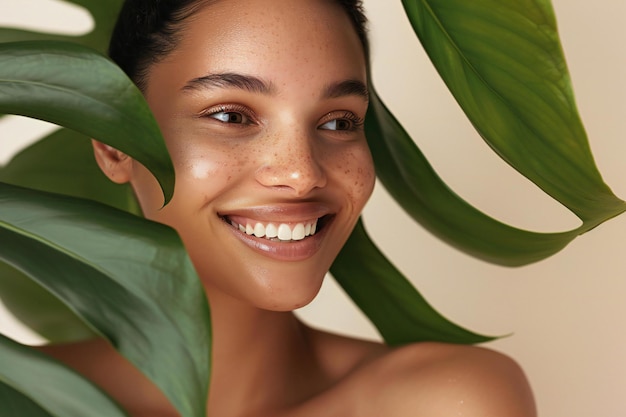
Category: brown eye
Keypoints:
(230, 117)
(337, 124)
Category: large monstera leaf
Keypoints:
(61, 163)
(78, 88)
(128, 279)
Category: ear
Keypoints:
(115, 164)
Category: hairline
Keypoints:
(182, 20)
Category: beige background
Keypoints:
(566, 312)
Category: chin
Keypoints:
(264, 282)
(287, 298)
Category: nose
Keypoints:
(292, 162)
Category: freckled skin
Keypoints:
(286, 159)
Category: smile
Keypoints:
(278, 232)
(281, 233)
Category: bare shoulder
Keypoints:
(435, 379)
(419, 380)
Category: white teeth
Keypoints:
(259, 230)
(298, 232)
(271, 231)
(283, 231)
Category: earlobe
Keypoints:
(116, 165)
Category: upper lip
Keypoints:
(283, 213)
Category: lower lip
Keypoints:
(283, 251)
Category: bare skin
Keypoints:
(262, 113)
(331, 376)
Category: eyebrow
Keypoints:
(257, 85)
(347, 88)
(231, 80)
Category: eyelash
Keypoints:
(230, 108)
(356, 121)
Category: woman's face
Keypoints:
(262, 106)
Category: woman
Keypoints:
(261, 103)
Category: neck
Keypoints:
(262, 360)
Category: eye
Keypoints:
(337, 124)
(341, 121)
(230, 114)
(230, 117)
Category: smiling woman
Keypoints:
(262, 113)
(265, 129)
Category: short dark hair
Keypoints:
(146, 31)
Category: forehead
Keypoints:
(268, 38)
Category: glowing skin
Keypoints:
(262, 114)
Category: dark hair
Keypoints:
(146, 31)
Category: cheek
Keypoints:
(208, 171)
(357, 174)
(201, 177)
(201, 159)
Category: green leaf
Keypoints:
(80, 89)
(128, 278)
(34, 385)
(62, 163)
(34, 306)
(14, 403)
(396, 308)
(503, 62)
